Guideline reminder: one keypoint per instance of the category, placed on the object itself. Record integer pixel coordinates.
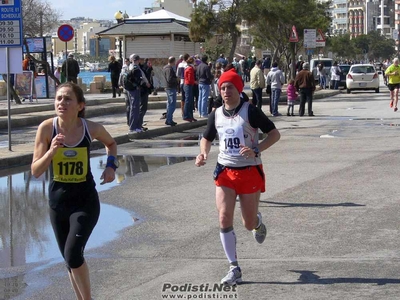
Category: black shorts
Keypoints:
(393, 86)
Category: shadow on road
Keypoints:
(287, 204)
(309, 277)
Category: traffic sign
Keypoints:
(320, 36)
(320, 40)
(294, 37)
(309, 38)
(10, 23)
(65, 32)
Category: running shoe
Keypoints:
(391, 104)
(260, 233)
(233, 277)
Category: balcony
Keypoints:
(340, 11)
(340, 21)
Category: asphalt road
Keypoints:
(331, 209)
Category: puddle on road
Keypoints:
(26, 235)
(11, 287)
(390, 125)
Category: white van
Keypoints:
(327, 62)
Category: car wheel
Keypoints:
(377, 90)
(348, 91)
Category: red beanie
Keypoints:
(232, 77)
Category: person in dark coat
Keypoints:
(70, 68)
(114, 67)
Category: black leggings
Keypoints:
(72, 227)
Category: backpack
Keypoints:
(132, 79)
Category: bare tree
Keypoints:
(39, 18)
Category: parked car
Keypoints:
(362, 77)
(327, 62)
(343, 74)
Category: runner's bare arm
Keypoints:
(98, 132)
(45, 148)
(205, 146)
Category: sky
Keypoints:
(98, 9)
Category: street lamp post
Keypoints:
(120, 18)
(120, 47)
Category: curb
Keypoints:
(26, 159)
(118, 106)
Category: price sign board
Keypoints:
(10, 23)
(310, 38)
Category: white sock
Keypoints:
(228, 239)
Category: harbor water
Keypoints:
(87, 76)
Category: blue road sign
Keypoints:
(65, 32)
(10, 23)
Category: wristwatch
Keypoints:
(256, 151)
(112, 162)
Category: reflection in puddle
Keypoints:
(26, 235)
(11, 287)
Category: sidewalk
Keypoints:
(100, 108)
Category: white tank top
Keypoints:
(234, 131)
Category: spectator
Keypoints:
(114, 68)
(181, 77)
(204, 77)
(190, 81)
(276, 79)
(70, 67)
(145, 90)
(137, 78)
(257, 83)
(122, 77)
(321, 72)
(335, 75)
(172, 83)
(305, 84)
(291, 97)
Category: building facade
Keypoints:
(373, 12)
(358, 17)
(339, 17)
(182, 8)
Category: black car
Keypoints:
(344, 71)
